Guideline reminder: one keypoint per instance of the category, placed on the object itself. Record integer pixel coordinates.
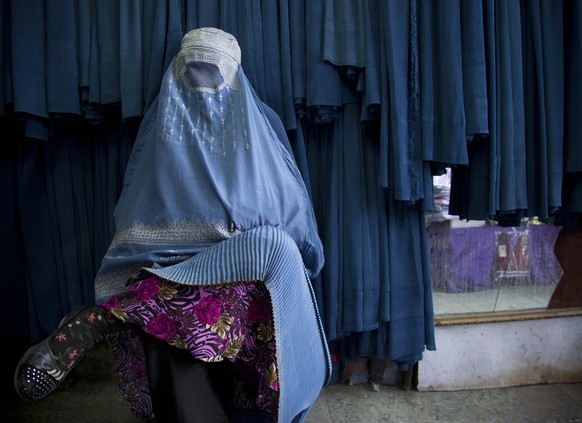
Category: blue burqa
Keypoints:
(212, 195)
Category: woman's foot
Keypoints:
(45, 365)
(38, 373)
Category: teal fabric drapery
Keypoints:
(376, 96)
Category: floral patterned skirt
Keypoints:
(230, 321)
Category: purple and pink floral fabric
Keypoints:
(230, 321)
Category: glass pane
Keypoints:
(482, 267)
(478, 266)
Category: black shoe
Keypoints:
(38, 372)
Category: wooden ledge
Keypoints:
(504, 316)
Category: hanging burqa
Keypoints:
(376, 97)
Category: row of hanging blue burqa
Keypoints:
(377, 96)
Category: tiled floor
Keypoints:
(531, 404)
(90, 395)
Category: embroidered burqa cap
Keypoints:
(212, 39)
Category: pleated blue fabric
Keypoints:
(442, 108)
(61, 59)
(268, 254)
(474, 71)
(544, 55)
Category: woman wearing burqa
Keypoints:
(204, 293)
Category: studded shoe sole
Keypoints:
(38, 372)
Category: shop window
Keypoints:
(481, 267)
